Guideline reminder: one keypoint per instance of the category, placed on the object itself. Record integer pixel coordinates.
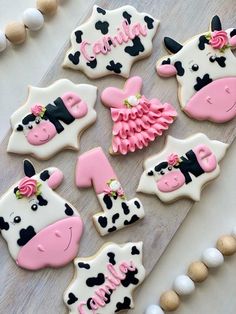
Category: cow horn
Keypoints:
(28, 168)
(172, 45)
(216, 24)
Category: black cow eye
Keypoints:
(17, 219)
(169, 168)
(195, 67)
(212, 58)
(34, 207)
(30, 127)
(162, 172)
(37, 121)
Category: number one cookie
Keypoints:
(94, 169)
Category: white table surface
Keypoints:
(213, 216)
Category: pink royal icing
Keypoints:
(173, 159)
(219, 39)
(37, 110)
(27, 187)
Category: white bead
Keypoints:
(133, 100)
(115, 185)
(234, 232)
(33, 19)
(212, 257)
(183, 285)
(3, 41)
(154, 309)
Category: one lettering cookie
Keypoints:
(104, 283)
(94, 169)
(52, 119)
(205, 68)
(40, 227)
(137, 120)
(111, 41)
(182, 168)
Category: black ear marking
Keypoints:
(233, 32)
(172, 45)
(20, 127)
(216, 24)
(44, 176)
(202, 41)
(179, 68)
(150, 173)
(28, 168)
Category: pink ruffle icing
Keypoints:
(134, 128)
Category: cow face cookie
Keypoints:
(137, 120)
(205, 69)
(111, 41)
(40, 227)
(93, 168)
(182, 168)
(52, 119)
(104, 282)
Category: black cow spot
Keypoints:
(74, 58)
(149, 21)
(233, 33)
(202, 42)
(132, 220)
(137, 204)
(107, 200)
(114, 67)
(100, 10)
(71, 298)
(78, 36)
(112, 229)
(201, 82)
(20, 128)
(179, 68)
(137, 47)
(219, 60)
(123, 306)
(115, 217)
(83, 265)
(92, 64)
(41, 200)
(44, 175)
(68, 211)
(111, 258)
(108, 296)
(96, 281)
(3, 224)
(150, 173)
(102, 26)
(166, 61)
(134, 250)
(88, 303)
(125, 208)
(127, 16)
(102, 221)
(130, 278)
(26, 235)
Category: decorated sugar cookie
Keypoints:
(104, 283)
(40, 227)
(205, 68)
(52, 119)
(111, 41)
(137, 120)
(182, 168)
(94, 169)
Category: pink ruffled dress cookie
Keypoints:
(137, 120)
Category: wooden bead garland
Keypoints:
(15, 32)
(47, 7)
(197, 272)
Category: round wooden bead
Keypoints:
(183, 285)
(47, 7)
(33, 19)
(197, 271)
(212, 258)
(15, 32)
(154, 309)
(169, 301)
(3, 41)
(226, 245)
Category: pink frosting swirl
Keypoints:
(27, 187)
(219, 39)
(173, 159)
(37, 109)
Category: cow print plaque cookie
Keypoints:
(40, 227)
(52, 119)
(111, 41)
(205, 68)
(104, 282)
(182, 168)
(94, 169)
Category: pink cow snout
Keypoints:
(41, 133)
(171, 181)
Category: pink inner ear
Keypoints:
(55, 179)
(113, 97)
(166, 70)
(232, 41)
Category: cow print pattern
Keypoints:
(149, 21)
(74, 58)
(68, 211)
(179, 68)
(26, 235)
(71, 298)
(135, 251)
(101, 11)
(136, 48)
(219, 60)
(83, 265)
(111, 258)
(125, 305)
(114, 67)
(3, 224)
(96, 281)
(201, 82)
(78, 36)
(127, 16)
(202, 42)
(102, 26)
(44, 176)
(92, 64)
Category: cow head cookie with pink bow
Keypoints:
(205, 69)
(137, 120)
(40, 227)
(52, 119)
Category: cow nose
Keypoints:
(57, 234)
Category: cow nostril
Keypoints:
(176, 178)
(40, 248)
(166, 182)
(227, 89)
(209, 99)
(57, 234)
(44, 129)
(35, 135)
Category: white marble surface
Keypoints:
(213, 216)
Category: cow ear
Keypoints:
(28, 168)
(216, 24)
(172, 45)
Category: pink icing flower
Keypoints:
(173, 159)
(27, 187)
(38, 110)
(120, 192)
(219, 39)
